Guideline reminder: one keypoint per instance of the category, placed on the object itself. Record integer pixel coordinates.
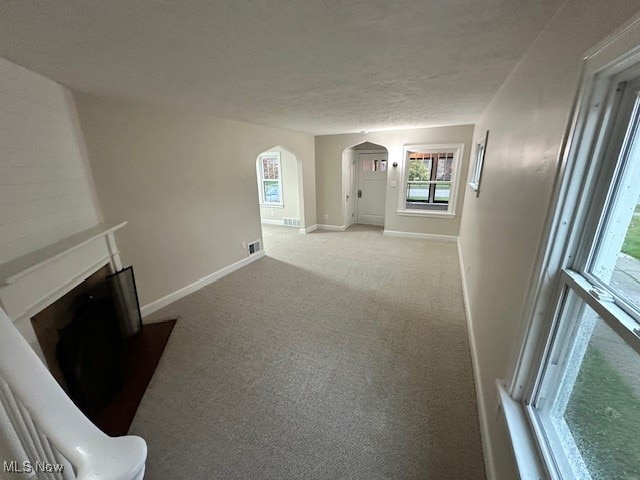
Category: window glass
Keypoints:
(419, 176)
(603, 411)
(429, 180)
(442, 193)
(420, 167)
(617, 254)
(368, 166)
(374, 165)
(270, 183)
(590, 404)
(271, 168)
(272, 193)
(445, 164)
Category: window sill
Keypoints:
(523, 442)
(425, 213)
(474, 186)
(271, 205)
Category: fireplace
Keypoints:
(48, 323)
(41, 292)
(83, 334)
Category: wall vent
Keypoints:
(291, 222)
(254, 247)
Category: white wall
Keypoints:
(45, 194)
(501, 230)
(186, 184)
(329, 149)
(46, 190)
(290, 189)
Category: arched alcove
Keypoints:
(364, 183)
(280, 187)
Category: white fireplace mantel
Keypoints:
(30, 283)
(13, 270)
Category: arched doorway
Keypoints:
(364, 174)
(280, 195)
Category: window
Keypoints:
(375, 166)
(270, 179)
(430, 179)
(582, 387)
(478, 163)
(588, 398)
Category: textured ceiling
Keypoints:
(318, 66)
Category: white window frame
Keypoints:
(457, 149)
(478, 163)
(261, 179)
(568, 215)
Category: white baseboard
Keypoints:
(487, 449)
(333, 228)
(312, 228)
(268, 221)
(424, 236)
(195, 286)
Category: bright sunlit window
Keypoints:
(270, 179)
(430, 179)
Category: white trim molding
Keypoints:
(523, 444)
(424, 236)
(18, 268)
(487, 448)
(271, 222)
(425, 213)
(156, 305)
(333, 228)
(310, 229)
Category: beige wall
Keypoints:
(290, 190)
(501, 230)
(186, 183)
(329, 149)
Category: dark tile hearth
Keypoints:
(140, 358)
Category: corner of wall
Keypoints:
(83, 152)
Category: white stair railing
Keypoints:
(53, 434)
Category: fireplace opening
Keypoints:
(87, 353)
(85, 334)
(107, 358)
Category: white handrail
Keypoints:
(50, 427)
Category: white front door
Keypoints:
(352, 192)
(372, 187)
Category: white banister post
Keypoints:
(38, 412)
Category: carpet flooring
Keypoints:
(338, 355)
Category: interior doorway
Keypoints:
(365, 183)
(280, 195)
(280, 188)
